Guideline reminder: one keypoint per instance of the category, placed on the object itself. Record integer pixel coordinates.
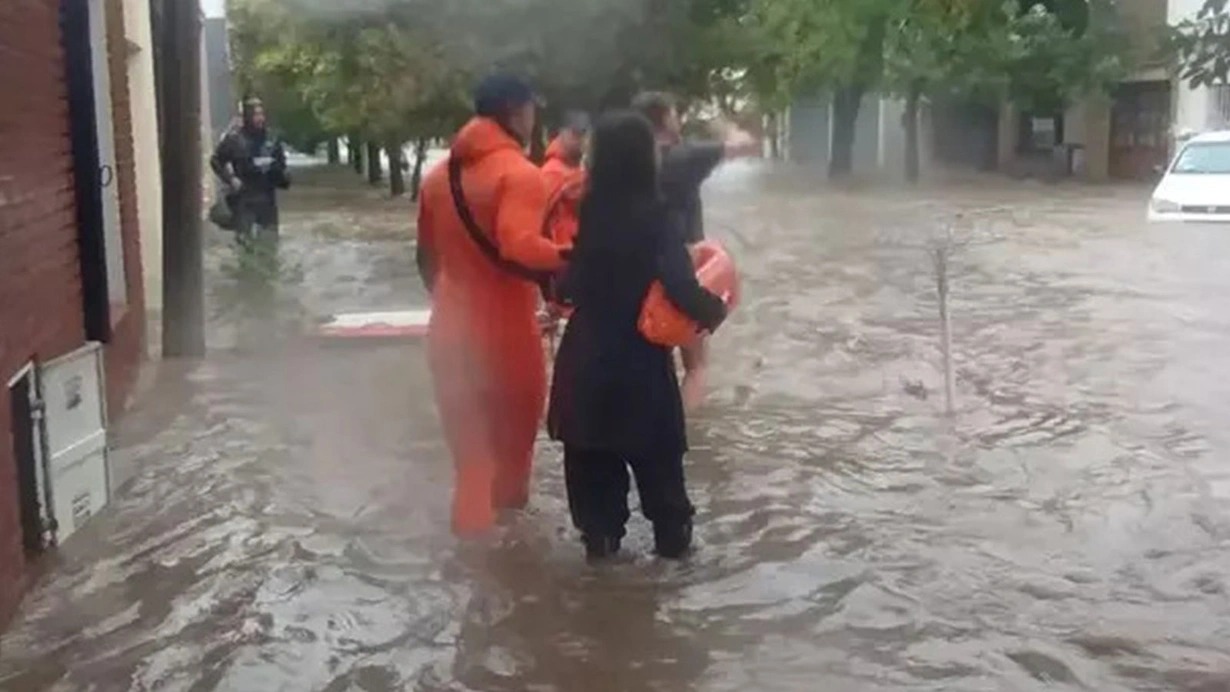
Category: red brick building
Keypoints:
(70, 261)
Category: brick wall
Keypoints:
(40, 314)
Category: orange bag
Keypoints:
(663, 324)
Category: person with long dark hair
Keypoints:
(615, 400)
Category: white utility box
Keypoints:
(75, 419)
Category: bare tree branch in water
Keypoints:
(940, 255)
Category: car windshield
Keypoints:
(1204, 157)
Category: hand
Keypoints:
(235, 186)
(741, 144)
(720, 127)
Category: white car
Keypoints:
(1196, 187)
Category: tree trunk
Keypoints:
(397, 171)
(848, 99)
(909, 120)
(335, 152)
(774, 133)
(846, 103)
(375, 172)
(356, 153)
(420, 157)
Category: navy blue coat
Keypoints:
(613, 390)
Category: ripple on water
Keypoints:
(286, 525)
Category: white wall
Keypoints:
(1193, 107)
(143, 104)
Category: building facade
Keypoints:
(1203, 108)
(70, 249)
(1127, 134)
(879, 135)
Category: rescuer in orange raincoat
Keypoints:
(565, 177)
(482, 255)
(565, 186)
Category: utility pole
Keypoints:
(179, 97)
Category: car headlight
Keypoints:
(1164, 206)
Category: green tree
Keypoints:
(388, 72)
(831, 45)
(1039, 56)
(254, 25)
(1202, 45)
(941, 47)
(368, 69)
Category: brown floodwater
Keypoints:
(1068, 527)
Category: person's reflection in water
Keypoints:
(533, 624)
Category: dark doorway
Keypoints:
(966, 133)
(1140, 130)
(88, 174)
(22, 425)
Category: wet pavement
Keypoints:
(1067, 528)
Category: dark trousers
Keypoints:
(256, 211)
(598, 492)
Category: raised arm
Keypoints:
(689, 164)
(519, 222)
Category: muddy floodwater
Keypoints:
(1068, 528)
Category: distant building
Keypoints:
(879, 139)
(1126, 136)
(72, 314)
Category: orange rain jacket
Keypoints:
(565, 186)
(484, 340)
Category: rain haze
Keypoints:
(964, 429)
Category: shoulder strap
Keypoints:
(484, 241)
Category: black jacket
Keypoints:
(685, 167)
(256, 158)
(612, 389)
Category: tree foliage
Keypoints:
(1040, 56)
(1202, 44)
(396, 71)
(1027, 52)
(399, 69)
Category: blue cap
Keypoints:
(499, 93)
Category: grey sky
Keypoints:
(213, 8)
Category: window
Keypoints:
(1203, 158)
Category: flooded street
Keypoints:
(1068, 527)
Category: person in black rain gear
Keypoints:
(685, 167)
(251, 163)
(615, 399)
(687, 164)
